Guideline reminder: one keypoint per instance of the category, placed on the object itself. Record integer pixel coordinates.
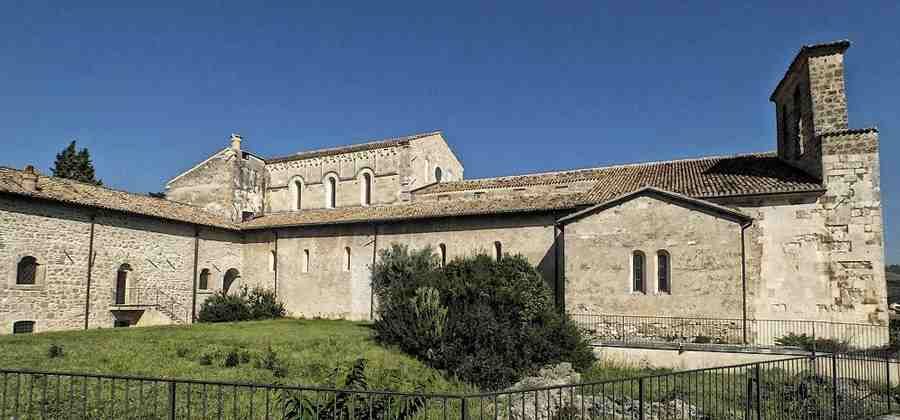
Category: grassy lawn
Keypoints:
(310, 351)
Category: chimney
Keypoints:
(236, 142)
(29, 179)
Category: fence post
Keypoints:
(758, 398)
(887, 375)
(834, 394)
(641, 398)
(464, 408)
(172, 400)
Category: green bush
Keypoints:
(809, 343)
(55, 350)
(264, 305)
(245, 305)
(488, 322)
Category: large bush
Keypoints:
(245, 305)
(488, 322)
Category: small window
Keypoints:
(637, 269)
(331, 192)
(298, 195)
(443, 250)
(204, 280)
(347, 259)
(366, 189)
(798, 123)
(305, 263)
(663, 272)
(498, 250)
(478, 194)
(438, 174)
(272, 261)
(23, 327)
(26, 271)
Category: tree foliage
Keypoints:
(75, 165)
(893, 268)
(488, 322)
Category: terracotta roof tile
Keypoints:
(73, 192)
(359, 147)
(702, 177)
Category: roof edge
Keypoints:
(827, 48)
(328, 151)
(727, 212)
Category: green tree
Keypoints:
(75, 165)
(893, 268)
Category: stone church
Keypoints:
(795, 233)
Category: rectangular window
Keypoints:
(347, 259)
(23, 327)
(638, 271)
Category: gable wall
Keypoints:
(705, 260)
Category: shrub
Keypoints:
(224, 307)
(245, 305)
(298, 405)
(264, 305)
(269, 361)
(55, 350)
(489, 322)
(809, 343)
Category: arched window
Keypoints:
(298, 194)
(347, 259)
(23, 327)
(204, 280)
(231, 276)
(26, 271)
(498, 250)
(438, 174)
(798, 123)
(272, 261)
(305, 263)
(365, 189)
(638, 283)
(663, 272)
(443, 250)
(122, 283)
(330, 192)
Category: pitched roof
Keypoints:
(359, 147)
(414, 210)
(707, 206)
(706, 177)
(74, 192)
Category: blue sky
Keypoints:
(516, 86)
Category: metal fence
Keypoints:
(758, 332)
(828, 387)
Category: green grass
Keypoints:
(312, 351)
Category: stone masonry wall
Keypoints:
(328, 289)
(705, 259)
(160, 254)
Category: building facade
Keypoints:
(790, 234)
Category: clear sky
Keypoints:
(516, 86)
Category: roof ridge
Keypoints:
(300, 155)
(613, 166)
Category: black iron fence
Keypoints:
(829, 387)
(758, 332)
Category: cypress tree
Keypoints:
(75, 165)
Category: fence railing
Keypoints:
(758, 332)
(828, 387)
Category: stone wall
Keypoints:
(705, 261)
(228, 183)
(328, 289)
(159, 253)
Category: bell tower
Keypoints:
(810, 101)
